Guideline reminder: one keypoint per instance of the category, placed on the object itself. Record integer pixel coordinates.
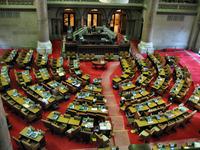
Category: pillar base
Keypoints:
(44, 47)
(145, 47)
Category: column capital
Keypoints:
(44, 47)
(146, 47)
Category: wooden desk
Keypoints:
(177, 87)
(41, 60)
(9, 56)
(4, 77)
(141, 79)
(99, 64)
(56, 62)
(23, 101)
(93, 88)
(62, 89)
(86, 77)
(26, 133)
(99, 109)
(163, 118)
(116, 79)
(74, 122)
(147, 105)
(44, 74)
(60, 118)
(158, 83)
(46, 98)
(127, 86)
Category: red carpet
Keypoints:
(56, 142)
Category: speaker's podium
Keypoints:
(97, 40)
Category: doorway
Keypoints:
(68, 20)
(94, 18)
(118, 22)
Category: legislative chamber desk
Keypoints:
(98, 109)
(99, 64)
(146, 122)
(23, 101)
(36, 136)
(98, 49)
(59, 118)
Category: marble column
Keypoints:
(149, 13)
(44, 44)
(5, 142)
(195, 31)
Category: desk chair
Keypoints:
(81, 57)
(30, 146)
(18, 142)
(73, 132)
(162, 127)
(145, 135)
(156, 131)
(47, 123)
(189, 116)
(86, 135)
(170, 126)
(71, 112)
(59, 129)
(102, 140)
(31, 117)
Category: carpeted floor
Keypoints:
(122, 135)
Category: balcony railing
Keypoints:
(94, 1)
(16, 2)
(179, 1)
(177, 7)
(165, 6)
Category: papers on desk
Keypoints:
(45, 101)
(76, 83)
(149, 120)
(88, 124)
(71, 106)
(83, 94)
(95, 109)
(15, 93)
(55, 116)
(196, 97)
(104, 110)
(183, 108)
(60, 72)
(94, 100)
(26, 105)
(158, 117)
(169, 115)
(105, 125)
(83, 107)
(47, 95)
(37, 87)
(32, 134)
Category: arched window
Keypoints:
(69, 19)
(94, 18)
